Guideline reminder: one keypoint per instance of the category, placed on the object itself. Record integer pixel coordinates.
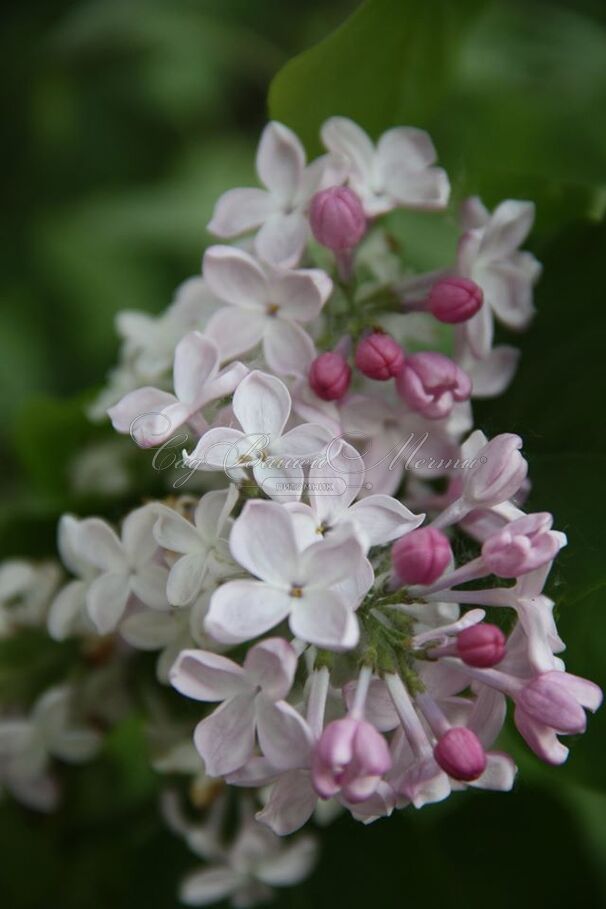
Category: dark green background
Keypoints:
(123, 122)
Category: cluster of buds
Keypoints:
(305, 592)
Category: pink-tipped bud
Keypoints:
(378, 356)
(351, 757)
(498, 471)
(522, 546)
(460, 754)
(329, 376)
(421, 557)
(454, 300)
(337, 218)
(431, 384)
(482, 645)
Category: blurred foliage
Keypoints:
(127, 119)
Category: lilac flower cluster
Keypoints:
(305, 591)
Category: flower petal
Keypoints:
(280, 161)
(242, 610)
(235, 331)
(382, 519)
(281, 240)
(240, 210)
(186, 578)
(262, 404)
(508, 227)
(106, 601)
(208, 887)
(287, 348)
(148, 630)
(225, 740)
(263, 541)
(234, 276)
(291, 803)
(321, 618)
(196, 360)
(206, 676)
(271, 665)
(284, 736)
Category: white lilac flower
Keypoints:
(252, 704)
(396, 173)
(267, 305)
(127, 567)
(311, 587)
(278, 211)
(203, 548)
(151, 415)
(262, 406)
(489, 254)
(332, 490)
(27, 745)
(26, 590)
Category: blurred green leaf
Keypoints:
(387, 64)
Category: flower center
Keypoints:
(271, 309)
(296, 591)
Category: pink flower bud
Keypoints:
(498, 472)
(379, 357)
(337, 218)
(454, 300)
(431, 384)
(460, 754)
(482, 645)
(421, 557)
(329, 376)
(351, 757)
(522, 546)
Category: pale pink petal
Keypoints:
(225, 740)
(508, 292)
(287, 348)
(280, 161)
(225, 382)
(479, 331)
(235, 331)
(240, 210)
(186, 578)
(508, 227)
(343, 137)
(106, 601)
(499, 774)
(206, 676)
(406, 145)
(149, 585)
(321, 618)
(208, 887)
(330, 561)
(137, 534)
(221, 448)
(234, 276)
(100, 545)
(149, 630)
(307, 439)
(281, 240)
(271, 665)
(66, 610)
(382, 519)
(261, 404)
(196, 360)
(284, 736)
(290, 865)
(136, 404)
(291, 803)
(344, 471)
(173, 531)
(493, 375)
(263, 541)
(242, 610)
(299, 295)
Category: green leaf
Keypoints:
(387, 64)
